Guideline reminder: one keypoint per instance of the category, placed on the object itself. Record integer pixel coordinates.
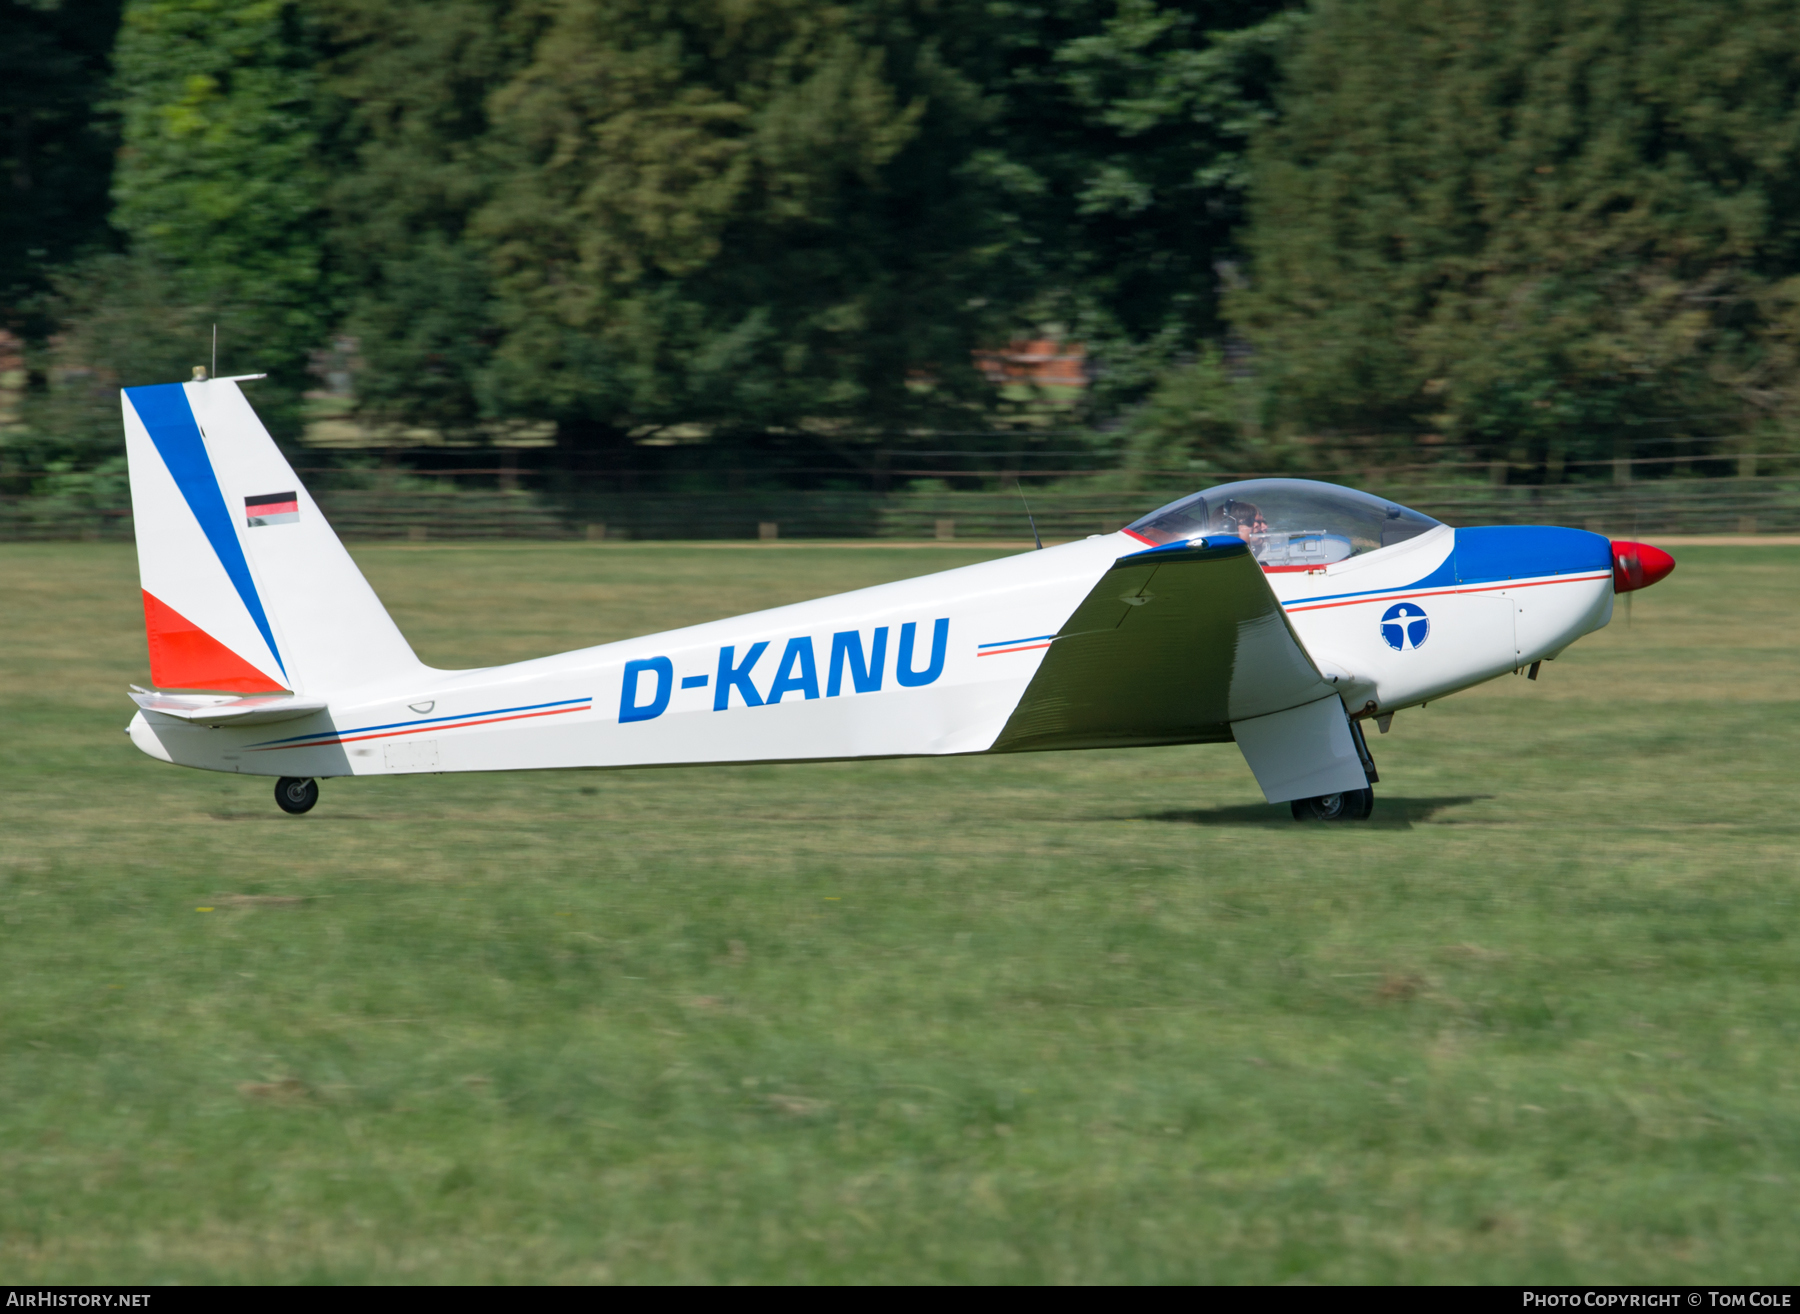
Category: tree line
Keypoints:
(783, 233)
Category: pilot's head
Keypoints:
(1245, 518)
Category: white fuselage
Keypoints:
(1474, 631)
(926, 666)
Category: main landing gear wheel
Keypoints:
(1351, 805)
(293, 794)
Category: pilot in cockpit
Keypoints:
(1319, 524)
(1243, 519)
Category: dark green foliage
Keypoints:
(693, 221)
(221, 174)
(127, 321)
(1196, 422)
(1114, 157)
(56, 139)
(1545, 227)
(217, 189)
(773, 224)
(407, 86)
(673, 214)
(776, 231)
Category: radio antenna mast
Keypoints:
(1028, 516)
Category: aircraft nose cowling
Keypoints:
(1638, 565)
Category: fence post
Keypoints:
(596, 532)
(946, 530)
(768, 530)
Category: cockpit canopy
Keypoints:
(1292, 523)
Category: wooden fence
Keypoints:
(1768, 505)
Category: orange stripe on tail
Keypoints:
(184, 656)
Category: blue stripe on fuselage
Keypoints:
(1493, 554)
(418, 722)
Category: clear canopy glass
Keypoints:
(1292, 523)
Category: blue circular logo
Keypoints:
(1405, 625)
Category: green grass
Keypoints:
(1057, 1017)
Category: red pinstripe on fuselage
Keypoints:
(1405, 595)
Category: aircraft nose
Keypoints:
(1638, 565)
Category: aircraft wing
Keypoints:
(1170, 647)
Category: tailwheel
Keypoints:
(1351, 805)
(295, 794)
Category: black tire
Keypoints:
(296, 794)
(1351, 805)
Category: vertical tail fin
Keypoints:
(246, 588)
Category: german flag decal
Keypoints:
(271, 509)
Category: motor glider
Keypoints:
(1282, 614)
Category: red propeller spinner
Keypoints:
(1638, 565)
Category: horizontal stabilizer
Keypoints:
(208, 709)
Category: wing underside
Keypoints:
(1170, 647)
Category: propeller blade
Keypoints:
(1638, 565)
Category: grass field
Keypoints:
(1056, 1017)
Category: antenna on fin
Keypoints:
(1028, 516)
